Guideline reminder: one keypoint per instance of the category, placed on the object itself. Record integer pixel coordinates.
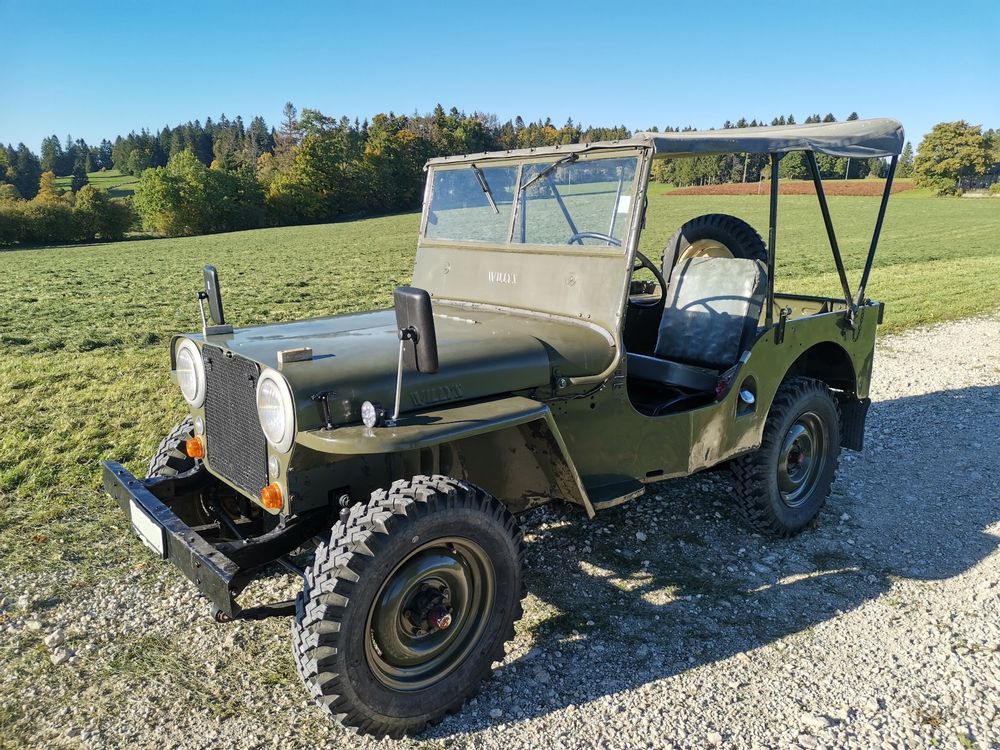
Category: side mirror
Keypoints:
(415, 320)
(213, 295)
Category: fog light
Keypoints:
(199, 426)
(372, 414)
(270, 497)
(273, 467)
(194, 447)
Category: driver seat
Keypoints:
(709, 319)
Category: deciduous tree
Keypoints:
(950, 151)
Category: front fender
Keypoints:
(500, 444)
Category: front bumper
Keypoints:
(219, 571)
(209, 570)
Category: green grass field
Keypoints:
(117, 185)
(84, 330)
(84, 376)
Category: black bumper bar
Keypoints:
(218, 577)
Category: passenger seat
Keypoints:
(710, 318)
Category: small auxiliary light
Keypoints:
(270, 496)
(194, 447)
(372, 414)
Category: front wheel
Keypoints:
(170, 460)
(783, 485)
(407, 607)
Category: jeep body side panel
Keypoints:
(612, 443)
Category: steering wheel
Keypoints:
(644, 262)
(581, 236)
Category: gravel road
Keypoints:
(662, 623)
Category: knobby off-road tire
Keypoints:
(358, 635)
(715, 235)
(170, 460)
(783, 485)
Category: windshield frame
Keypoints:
(545, 159)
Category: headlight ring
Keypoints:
(276, 410)
(190, 370)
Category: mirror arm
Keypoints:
(405, 334)
(202, 296)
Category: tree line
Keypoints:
(55, 217)
(312, 168)
(224, 175)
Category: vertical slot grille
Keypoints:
(235, 444)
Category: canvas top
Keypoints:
(861, 139)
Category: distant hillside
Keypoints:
(116, 184)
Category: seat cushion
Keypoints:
(671, 373)
(712, 310)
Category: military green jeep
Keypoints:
(390, 451)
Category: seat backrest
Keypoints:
(712, 310)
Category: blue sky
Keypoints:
(96, 69)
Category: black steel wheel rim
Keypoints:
(429, 613)
(802, 458)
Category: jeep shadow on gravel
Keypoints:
(524, 364)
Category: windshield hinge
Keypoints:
(779, 330)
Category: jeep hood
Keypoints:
(481, 353)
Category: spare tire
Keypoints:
(714, 236)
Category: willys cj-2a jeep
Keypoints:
(525, 363)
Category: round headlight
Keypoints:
(276, 410)
(190, 370)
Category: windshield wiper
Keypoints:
(549, 170)
(486, 188)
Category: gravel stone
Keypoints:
(60, 656)
(815, 721)
(55, 638)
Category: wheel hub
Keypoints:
(707, 248)
(801, 459)
(440, 618)
(429, 613)
(429, 608)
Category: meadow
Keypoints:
(84, 331)
(117, 185)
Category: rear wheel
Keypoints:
(170, 460)
(783, 485)
(715, 236)
(409, 604)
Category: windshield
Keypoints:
(472, 204)
(563, 201)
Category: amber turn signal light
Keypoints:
(194, 447)
(270, 496)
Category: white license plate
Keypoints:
(151, 534)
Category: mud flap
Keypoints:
(853, 412)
